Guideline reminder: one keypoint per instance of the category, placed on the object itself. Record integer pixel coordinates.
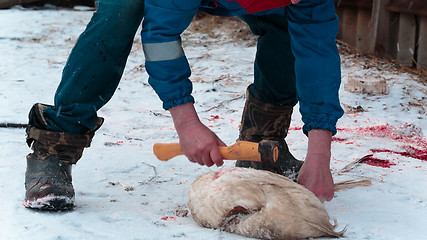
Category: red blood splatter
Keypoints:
(335, 139)
(213, 118)
(417, 153)
(376, 162)
(168, 218)
(295, 128)
(224, 171)
(376, 131)
(236, 210)
(387, 131)
(415, 144)
(411, 152)
(235, 215)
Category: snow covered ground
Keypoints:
(124, 192)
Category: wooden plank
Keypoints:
(349, 25)
(415, 7)
(340, 16)
(391, 39)
(71, 3)
(354, 3)
(422, 44)
(364, 37)
(386, 32)
(406, 43)
(65, 3)
(10, 3)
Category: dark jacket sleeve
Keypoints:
(313, 26)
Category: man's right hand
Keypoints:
(197, 141)
(315, 173)
(316, 176)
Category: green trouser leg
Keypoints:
(274, 73)
(95, 66)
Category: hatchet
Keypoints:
(266, 150)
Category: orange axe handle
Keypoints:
(241, 150)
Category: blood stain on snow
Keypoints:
(342, 140)
(376, 162)
(295, 128)
(213, 118)
(415, 144)
(166, 218)
(410, 137)
(335, 139)
(411, 152)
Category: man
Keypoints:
(296, 59)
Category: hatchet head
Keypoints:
(269, 153)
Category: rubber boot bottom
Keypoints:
(51, 203)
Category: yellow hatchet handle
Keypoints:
(241, 150)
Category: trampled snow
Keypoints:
(124, 192)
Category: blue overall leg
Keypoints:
(274, 74)
(297, 59)
(95, 66)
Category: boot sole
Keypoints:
(50, 203)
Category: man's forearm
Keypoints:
(319, 143)
(183, 114)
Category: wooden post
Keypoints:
(389, 48)
(406, 43)
(422, 44)
(383, 41)
(364, 30)
(349, 25)
(340, 16)
(10, 3)
(66, 3)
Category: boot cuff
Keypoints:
(51, 138)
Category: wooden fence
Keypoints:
(67, 3)
(394, 29)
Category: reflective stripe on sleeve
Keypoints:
(163, 51)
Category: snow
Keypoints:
(124, 192)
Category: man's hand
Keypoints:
(315, 173)
(197, 141)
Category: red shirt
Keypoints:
(261, 5)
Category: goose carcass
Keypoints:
(258, 204)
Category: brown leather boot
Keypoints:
(48, 181)
(263, 121)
